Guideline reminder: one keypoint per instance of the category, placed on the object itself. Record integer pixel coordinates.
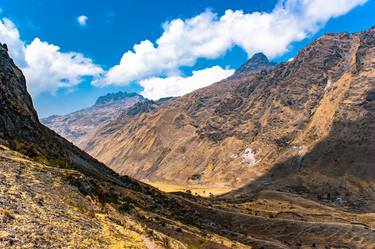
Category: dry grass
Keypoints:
(193, 189)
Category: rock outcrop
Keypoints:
(256, 63)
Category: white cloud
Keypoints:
(46, 68)
(210, 36)
(156, 88)
(82, 20)
(9, 34)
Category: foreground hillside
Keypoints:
(40, 209)
(47, 207)
(305, 127)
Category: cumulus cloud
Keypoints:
(9, 34)
(209, 36)
(156, 87)
(82, 20)
(46, 68)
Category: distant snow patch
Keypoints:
(249, 157)
(329, 84)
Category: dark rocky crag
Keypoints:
(116, 97)
(21, 130)
(256, 63)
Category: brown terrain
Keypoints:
(53, 195)
(304, 127)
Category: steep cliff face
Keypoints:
(311, 115)
(78, 127)
(21, 130)
(17, 113)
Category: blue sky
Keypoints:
(89, 52)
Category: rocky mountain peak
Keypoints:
(79, 126)
(115, 97)
(259, 58)
(256, 63)
(16, 107)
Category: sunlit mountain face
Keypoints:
(246, 124)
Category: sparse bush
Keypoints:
(126, 207)
(166, 242)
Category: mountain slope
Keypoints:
(305, 124)
(54, 195)
(79, 126)
(44, 206)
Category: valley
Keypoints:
(275, 156)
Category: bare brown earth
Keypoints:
(305, 127)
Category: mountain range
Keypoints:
(292, 145)
(303, 126)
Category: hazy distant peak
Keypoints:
(115, 97)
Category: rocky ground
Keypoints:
(41, 208)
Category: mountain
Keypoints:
(21, 130)
(79, 126)
(256, 63)
(305, 127)
(115, 98)
(53, 195)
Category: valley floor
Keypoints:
(191, 188)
